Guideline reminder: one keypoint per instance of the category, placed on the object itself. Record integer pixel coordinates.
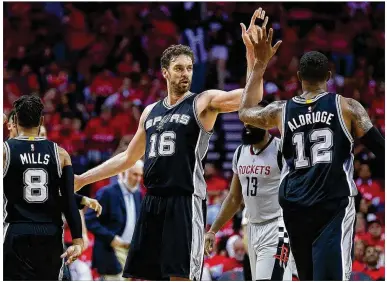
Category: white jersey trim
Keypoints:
(7, 158)
(58, 165)
(341, 119)
(347, 226)
(197, 241)
(283, 118)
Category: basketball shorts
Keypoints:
(168, 239)
(32, 252)
(269, 250)
(322, 239)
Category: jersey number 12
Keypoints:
(163, 144)
(320, 152)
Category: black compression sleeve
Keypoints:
(69, 207)
(374, 141)
(78, 201)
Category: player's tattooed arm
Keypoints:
(360, 121)
(263, 117)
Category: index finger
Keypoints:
(256, 14)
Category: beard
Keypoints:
(252, 135)
(180, 89)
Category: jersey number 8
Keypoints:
(320, 152)
(35, 189)
(166, 144)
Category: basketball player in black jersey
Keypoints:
(81, 201)
(173, 136)
(38, 187)
(317, 191)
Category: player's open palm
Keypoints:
(253, 29)
(209, 243)
(263, 49)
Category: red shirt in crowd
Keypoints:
(104, 85)
(358, 266)
(215, 183)
(125, 124)
(100, 135)
(375, 274)
(370, 241)
(370, 189)
(219, 264)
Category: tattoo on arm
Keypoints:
(360, 119)
(263, 117)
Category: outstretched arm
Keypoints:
(120, 162)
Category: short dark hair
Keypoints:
(11, 116)
(314, 67)
(28, 109)
(174, 51)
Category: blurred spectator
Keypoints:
(358, 262)
(216, 184)
(220, 263)
(113, 230)
(369, 188)
(371, 259)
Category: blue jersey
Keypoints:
(317, 149)
(176, 146)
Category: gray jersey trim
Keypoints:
(7, 158)
(341, 119)
(347, 227)
(57, 159)
(165, 104)
(197, 243)
(201, 148)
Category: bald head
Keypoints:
(133, 175)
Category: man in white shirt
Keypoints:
(113, 230)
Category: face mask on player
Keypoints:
(252, 135)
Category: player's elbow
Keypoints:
(243, 114)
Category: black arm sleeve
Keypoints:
(69, 206)
(78, 201)
(374, 141)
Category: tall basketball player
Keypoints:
(173, 133)
(38, 187)
(317, 191)
(257, 165)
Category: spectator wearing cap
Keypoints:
(375, 235)
(113, 230)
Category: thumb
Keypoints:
(276, 46)
(243, 28)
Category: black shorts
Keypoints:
(32, 252)
(168, 240)
(321, 239)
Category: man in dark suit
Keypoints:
(113, 230)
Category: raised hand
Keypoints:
(253, 29)
(263, 51)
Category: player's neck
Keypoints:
(28, 132)
(311, 90)
(263, 143)
(173, 98)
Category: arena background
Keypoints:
(96, 66)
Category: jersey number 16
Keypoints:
(163, 144)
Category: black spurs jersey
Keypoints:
(317, 149)
(31, 181)
(176, 145)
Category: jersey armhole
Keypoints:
(147, 115)
(283, 117)
(57, 159)
(197, 117)
(7, 158)
(279, 160)
(341, 119)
